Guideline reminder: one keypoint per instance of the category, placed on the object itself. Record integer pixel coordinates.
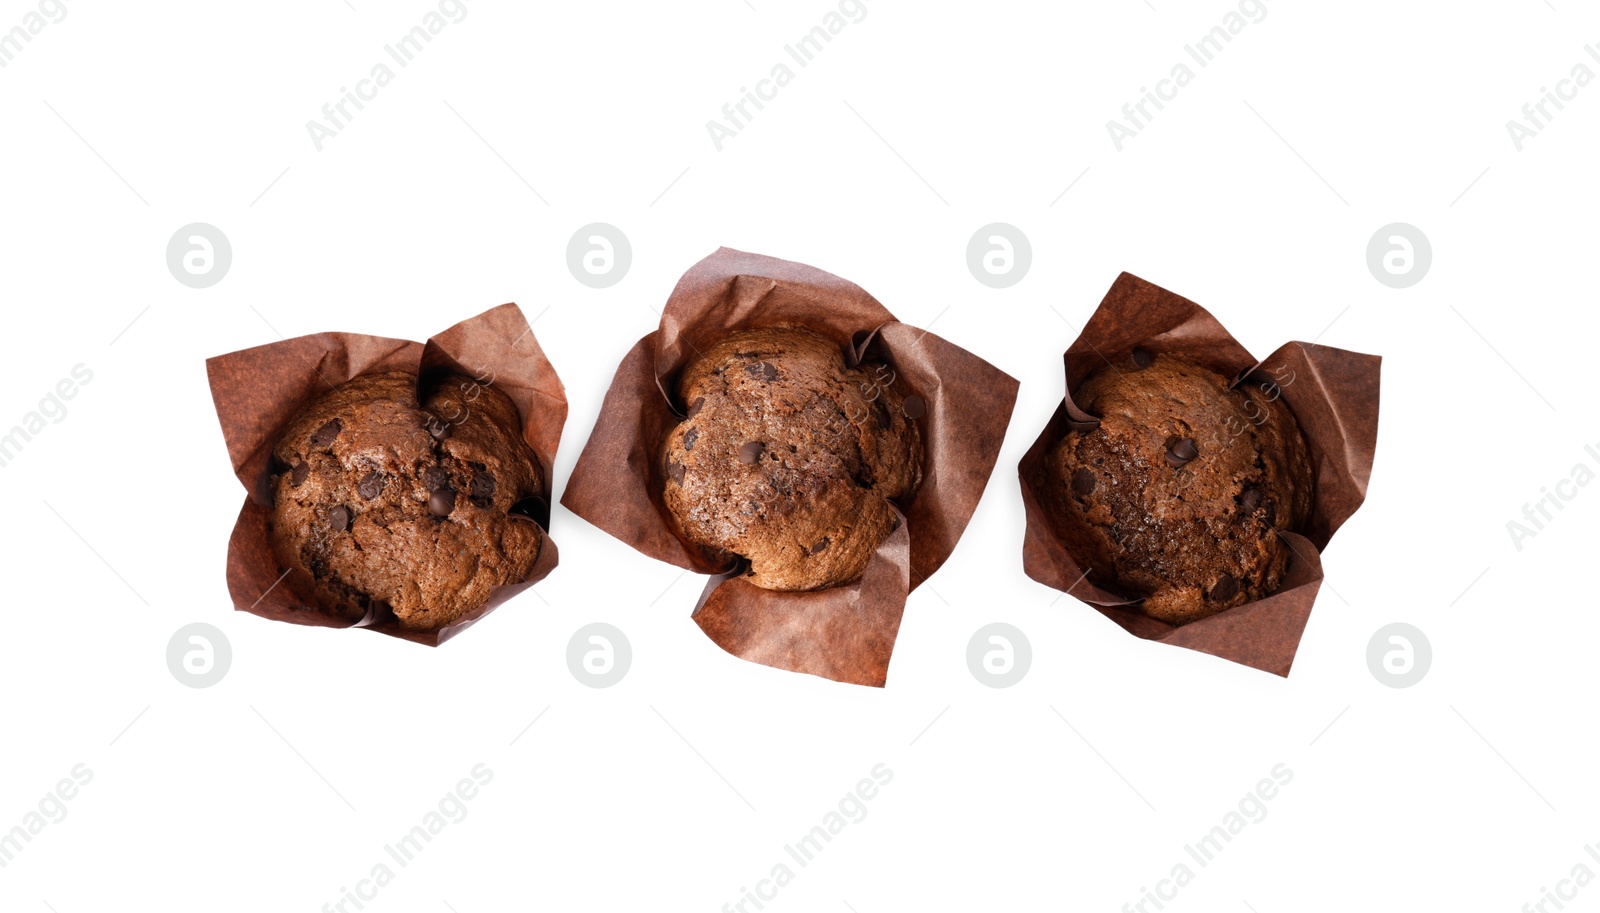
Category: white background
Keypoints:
(680, 786)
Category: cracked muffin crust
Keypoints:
(788, 458)
(1178, 496)
(388, 502)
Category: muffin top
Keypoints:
(390, 503)
(788, 458)
(1178, 496)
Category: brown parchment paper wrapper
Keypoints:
(257, 391)
(844, 633)
(1333, 394)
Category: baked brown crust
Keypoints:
(385, 503)
(788, 458)
(1192, 528)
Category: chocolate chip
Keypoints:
(298, 474)
(339, 518)
(435, 478)
(1142, 357)
(916, 407)
(675, 470)
(1271, 513)
(695, 407)
(765, 371)
(1224, 589)
(439, 429)
(689, 437)
(1082, 482)
(750, 451)
(1181, 451)
(1251, 498)
(327, 433)
(442, 502)
(482, 488)
(821, 544)
(371, 485)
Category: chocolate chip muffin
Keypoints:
(788, 458)
(1178, 496)
(390, 500)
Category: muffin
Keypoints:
(788, 458)
(394, 501)
(1178, 496)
